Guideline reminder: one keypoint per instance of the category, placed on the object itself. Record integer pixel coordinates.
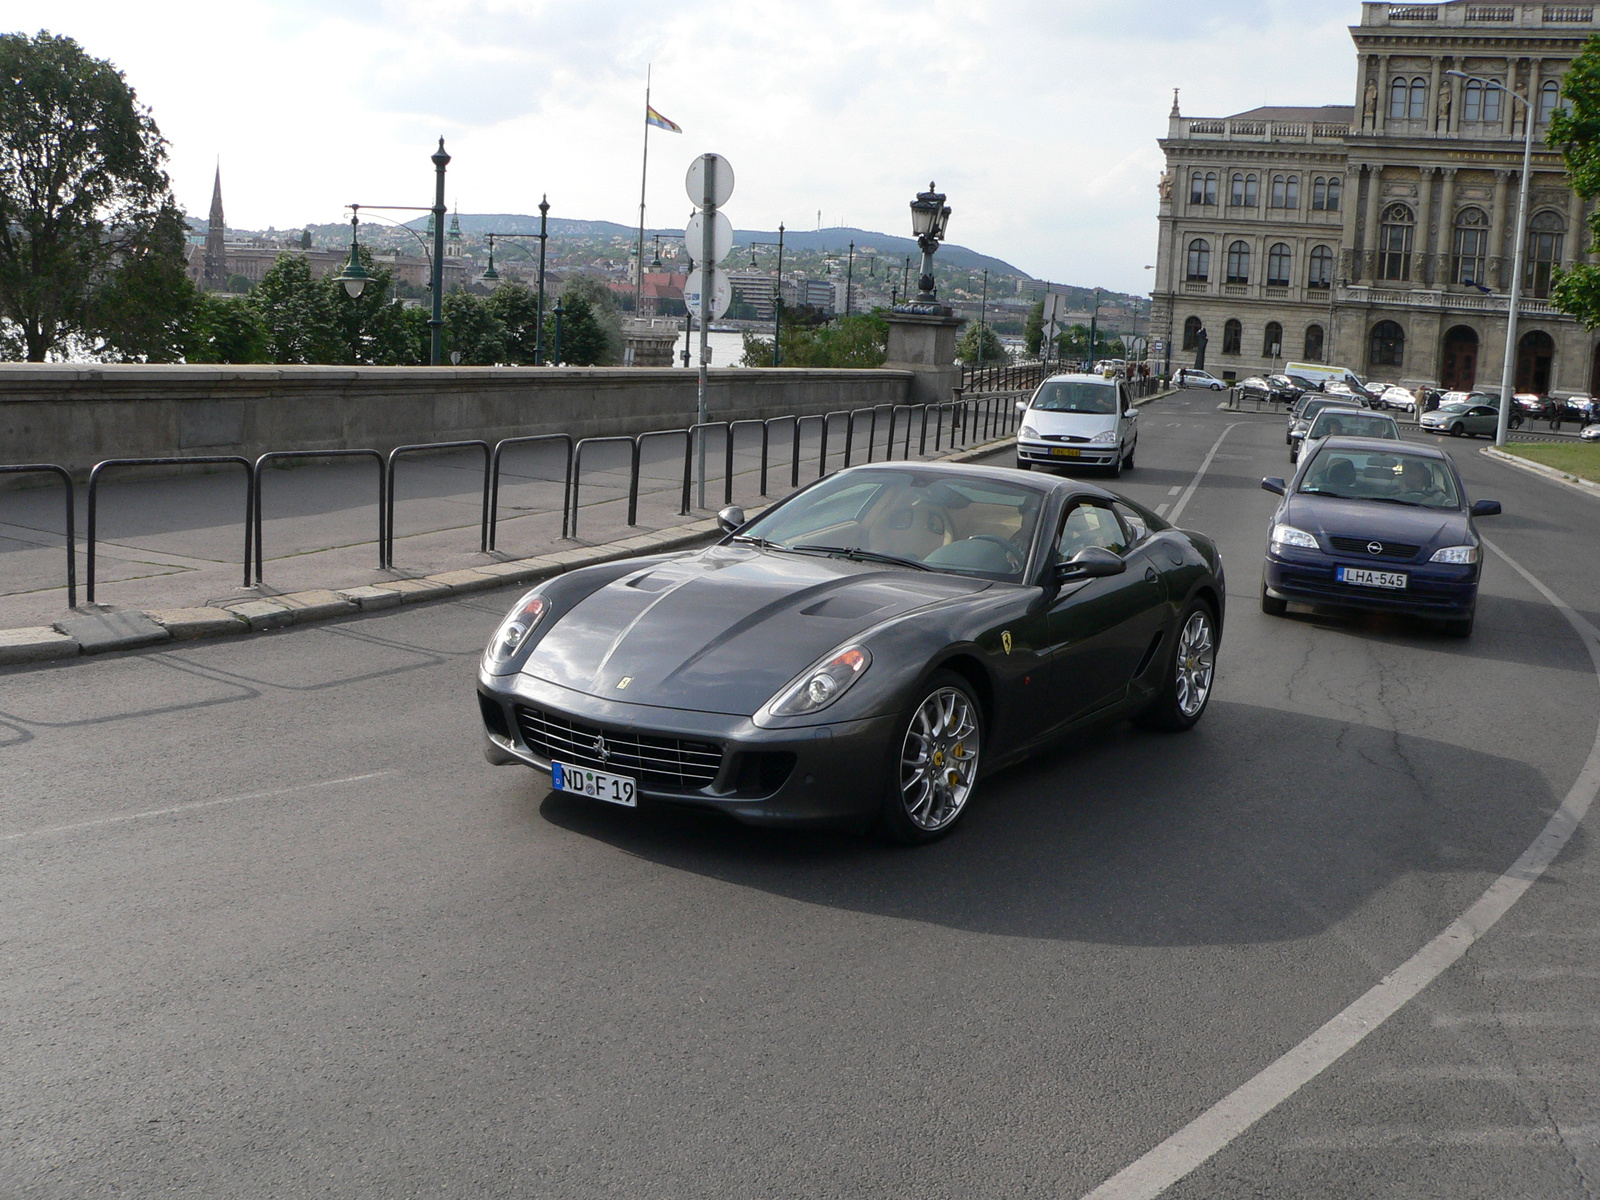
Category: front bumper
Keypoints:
(1434, 589)
(1089, 454)
(825, 775)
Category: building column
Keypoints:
(1349, 210)
(1447, 227)
(1578, 236)
(1369, 235)
(1430, 113)
(1534, 73)
(1498, 224)
(1425, 264)
(1383, 92)
(1507, 104)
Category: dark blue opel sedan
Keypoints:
(1366, 523)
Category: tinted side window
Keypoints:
(1133, 521)
(1089, 524)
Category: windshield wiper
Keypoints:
(761, 542)
(856, 554)
(1374, 499)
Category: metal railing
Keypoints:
(166, 461)
(962, 421)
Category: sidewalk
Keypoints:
(169, 552)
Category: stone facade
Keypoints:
(1380, 235)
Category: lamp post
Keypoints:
(1094, 324)
(1508, 368)
(559, 313)
(491, 276)
(538, 334)
(355, 277)
(983, 316)
(849, 277)
(929, 217)
(777, 293)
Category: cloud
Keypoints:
(1038, 117)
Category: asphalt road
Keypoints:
(272, 928)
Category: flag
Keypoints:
(652, 117)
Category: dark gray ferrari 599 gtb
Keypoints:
(862, 653)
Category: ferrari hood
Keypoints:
(723, 630)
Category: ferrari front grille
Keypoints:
(658, 760)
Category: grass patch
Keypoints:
(1580, 458)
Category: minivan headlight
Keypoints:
(516, 629)
(821, 685)
(1027, 431)
(1105, 435)
(1288, 535)
(1461, 555)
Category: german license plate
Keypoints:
(1362, 577)
(1064, 451)
(614, 789)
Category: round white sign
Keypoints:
(721, 292)
(721, 236)
(722, 181)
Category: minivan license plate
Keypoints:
(1362, 577)
(1064, 451)
(614, 789)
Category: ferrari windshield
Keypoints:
(1349, 474)
(1076, 396)
(931, 519)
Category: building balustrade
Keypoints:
(1446, 301)
(1516, 15)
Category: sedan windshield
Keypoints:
(1076, 396)
(1348, 474)
(1337, 423)
(970, 526)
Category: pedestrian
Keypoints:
(1555, 413)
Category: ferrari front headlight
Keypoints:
(822, 685)
(516, 629)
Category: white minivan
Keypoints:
(1078, 420)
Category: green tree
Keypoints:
(517, 308)
(1575, 127)
(859, 340)
(585, 340)
(83, 198)
(223, 329)
(369, 329)
(138, 311)
(607, 315)
(296, 314)
(473, 330)
(976, 334)
(1033, 329)
(238, 284)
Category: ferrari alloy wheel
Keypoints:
(937, 767)
(1190, 672)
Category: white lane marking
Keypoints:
(1411, 1137)
(1517, 1020)
(1161, 1167)
(178, 808)
(1161, 510)
(1173, 491)
(1177, 509)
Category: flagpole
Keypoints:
(638, 280)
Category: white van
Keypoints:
(1078, 421)
(1323, 373)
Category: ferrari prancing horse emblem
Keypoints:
(624, 682)
(1005, 640)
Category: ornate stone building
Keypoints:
(1380, 236)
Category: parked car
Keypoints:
(1575, 408)
(864, 653)
(1344, 422)
(1190, 377)
(1370, 524)
(1530, 404)
(1254, 388)
(1350, 393)
(1397, 397)
(1459, 417)
(1590, 433)
(1284, 389)
(1078, 420)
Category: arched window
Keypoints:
(1335, 185)
(1313, 343)
(1388, 345)
(1191, 333)
(1419, 99)
(1239, 262)
(1236, 192)
(1544, 252)
(1319, 194)
(1197, 187)
(1549, 99)
(1399, 93)
(1272, 340)
(1471, 244)
(1292, 192)
(1482, 101)
(1250, 191)
(1394, 243)
(1232, 335)
(1320, 272)
(1278, 265)
(1211, 187)
(1199, 265)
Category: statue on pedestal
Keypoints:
(1369, 104)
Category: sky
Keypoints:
(1038, 118)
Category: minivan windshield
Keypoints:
(1076, 396)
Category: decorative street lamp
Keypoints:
(849, 278)
(354, 276)
(559, 312)
(777, 294)
(491, 276)
(983, 317)
(929, 217)
(1508, 368)
(538, 333)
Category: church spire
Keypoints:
(215, 278)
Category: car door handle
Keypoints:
(1150, 575)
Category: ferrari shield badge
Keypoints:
(1005, 640)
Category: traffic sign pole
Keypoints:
(709, 184)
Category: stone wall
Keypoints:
(78, 415)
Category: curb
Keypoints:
(92, 632)
(1576, 483)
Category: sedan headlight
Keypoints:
(1288, 535)
(1104, 436)
(1027, 431)
(822, 685)
(515, 630)
(1456, 554)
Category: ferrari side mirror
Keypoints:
(1486, 508)
(730, 518)
(1273, 484)
(1092, 562)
